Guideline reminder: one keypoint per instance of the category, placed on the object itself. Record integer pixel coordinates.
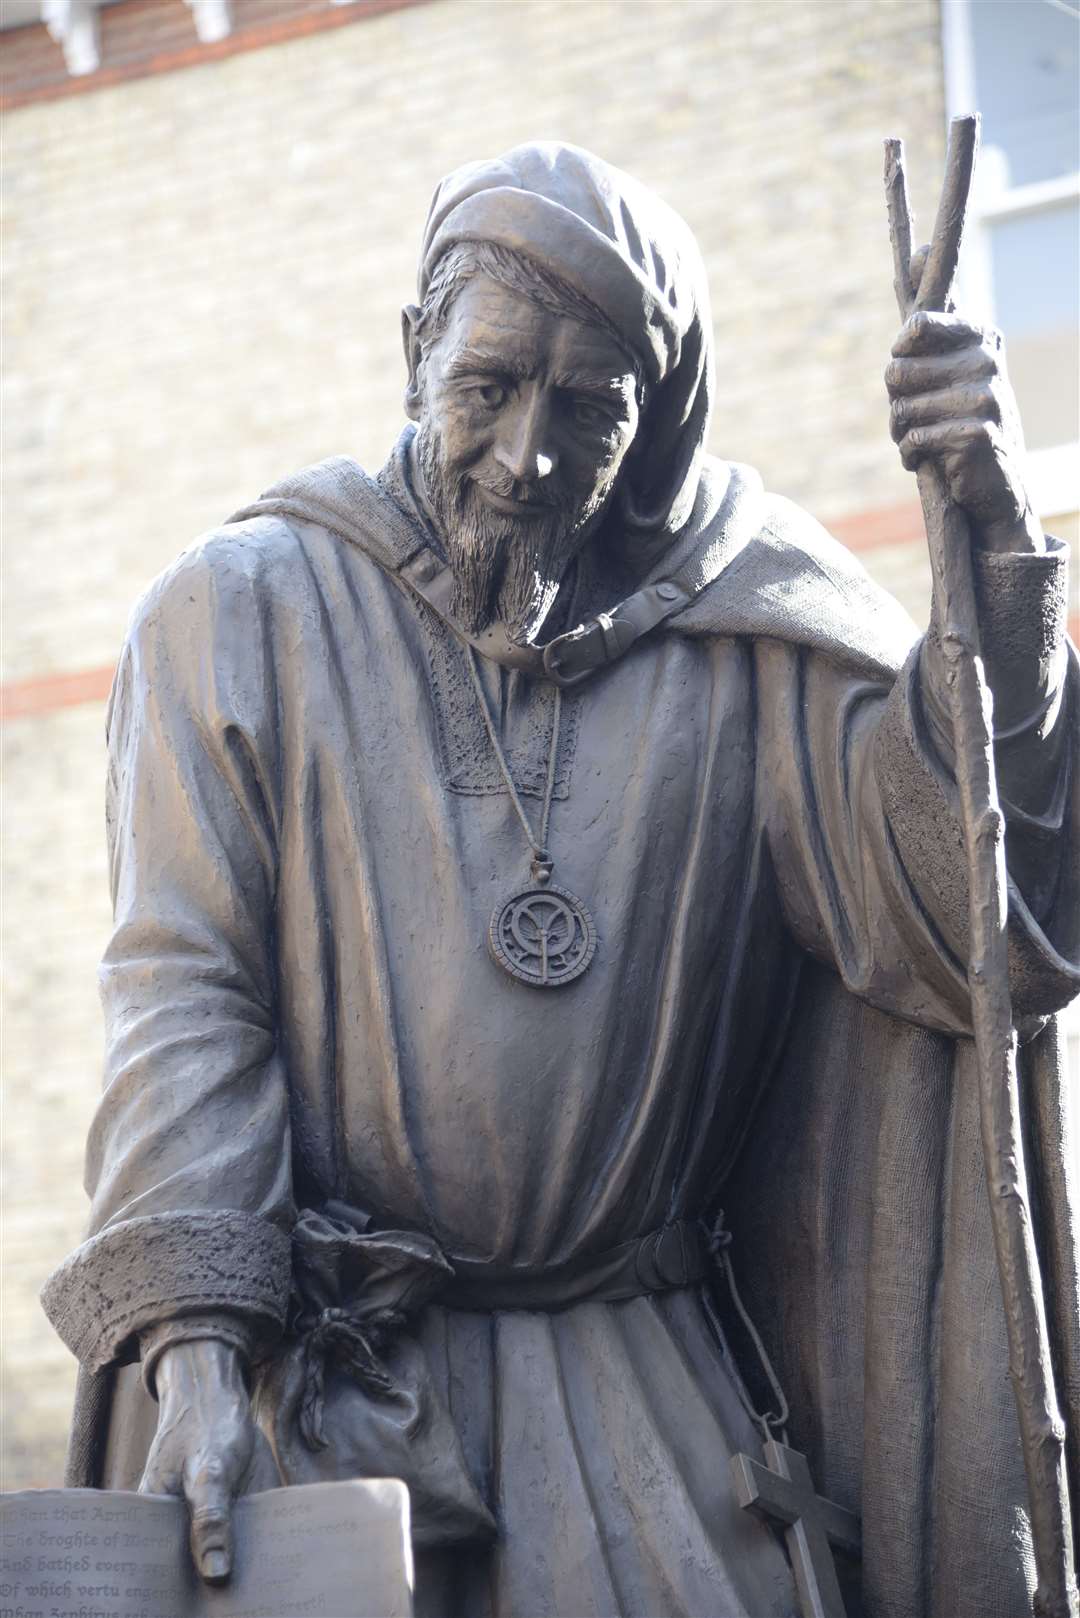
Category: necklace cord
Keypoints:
(553, 755)
(538, 848)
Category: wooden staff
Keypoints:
(1030, 1367)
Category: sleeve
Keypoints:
(1022, 601)
(863, 826)
(188, 1159)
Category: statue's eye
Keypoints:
(587, 413)
(492, 395)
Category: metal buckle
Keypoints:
(575, 637)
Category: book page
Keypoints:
(337, 1550)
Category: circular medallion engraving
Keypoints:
(543, 936)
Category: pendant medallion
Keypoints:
(542, 935)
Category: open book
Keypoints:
(336, 1550)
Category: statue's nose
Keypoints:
(523, 447)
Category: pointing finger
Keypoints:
(210, 1499)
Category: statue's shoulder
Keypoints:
(249, 560)
(785, 523)
(270, 553)
(771, 523)
(789, 579)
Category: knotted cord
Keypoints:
(335, 1334)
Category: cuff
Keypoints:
(1022, 602)
(196, 1326)
(921, 803)
(136, 1274)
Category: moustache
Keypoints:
(524, 494)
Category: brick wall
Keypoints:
(204, 272)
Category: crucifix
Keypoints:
(783, 1491)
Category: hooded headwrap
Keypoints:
(618, 245)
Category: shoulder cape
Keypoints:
(747, 563)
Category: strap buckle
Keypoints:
(575, 647)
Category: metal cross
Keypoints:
(783, 1490)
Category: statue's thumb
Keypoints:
(918, 265)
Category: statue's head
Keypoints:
(528, 401)
(558, 372)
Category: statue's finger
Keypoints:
(943, 438)
(930, 332)
(924, 373)
(974, 402)
(210, 1500)
(159, 1477)
(918, 265)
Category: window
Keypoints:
(1018, 63)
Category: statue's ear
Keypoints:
(410, 320)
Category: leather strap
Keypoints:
(571, 657)
(368, 517)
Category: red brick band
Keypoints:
(143, 37)
(22, 699)
(885, 525)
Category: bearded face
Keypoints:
(506, 567)
(525, 417)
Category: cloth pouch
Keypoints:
(349, 1392)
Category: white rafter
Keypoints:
(213, 19)
(74, 26)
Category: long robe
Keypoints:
(308, 834)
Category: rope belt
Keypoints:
(675, 1255)
(355, 1289)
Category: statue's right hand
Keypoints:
(204, 1444)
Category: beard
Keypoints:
(505, 568)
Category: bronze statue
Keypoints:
(521, 856)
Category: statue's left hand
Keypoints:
(952, 403)
(204, 1445)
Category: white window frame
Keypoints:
(1055, 470)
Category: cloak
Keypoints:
(852, 1177)
(856, 1196)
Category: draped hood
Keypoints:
(617, 244)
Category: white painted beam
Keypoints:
(213, 19)
(74, 25)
